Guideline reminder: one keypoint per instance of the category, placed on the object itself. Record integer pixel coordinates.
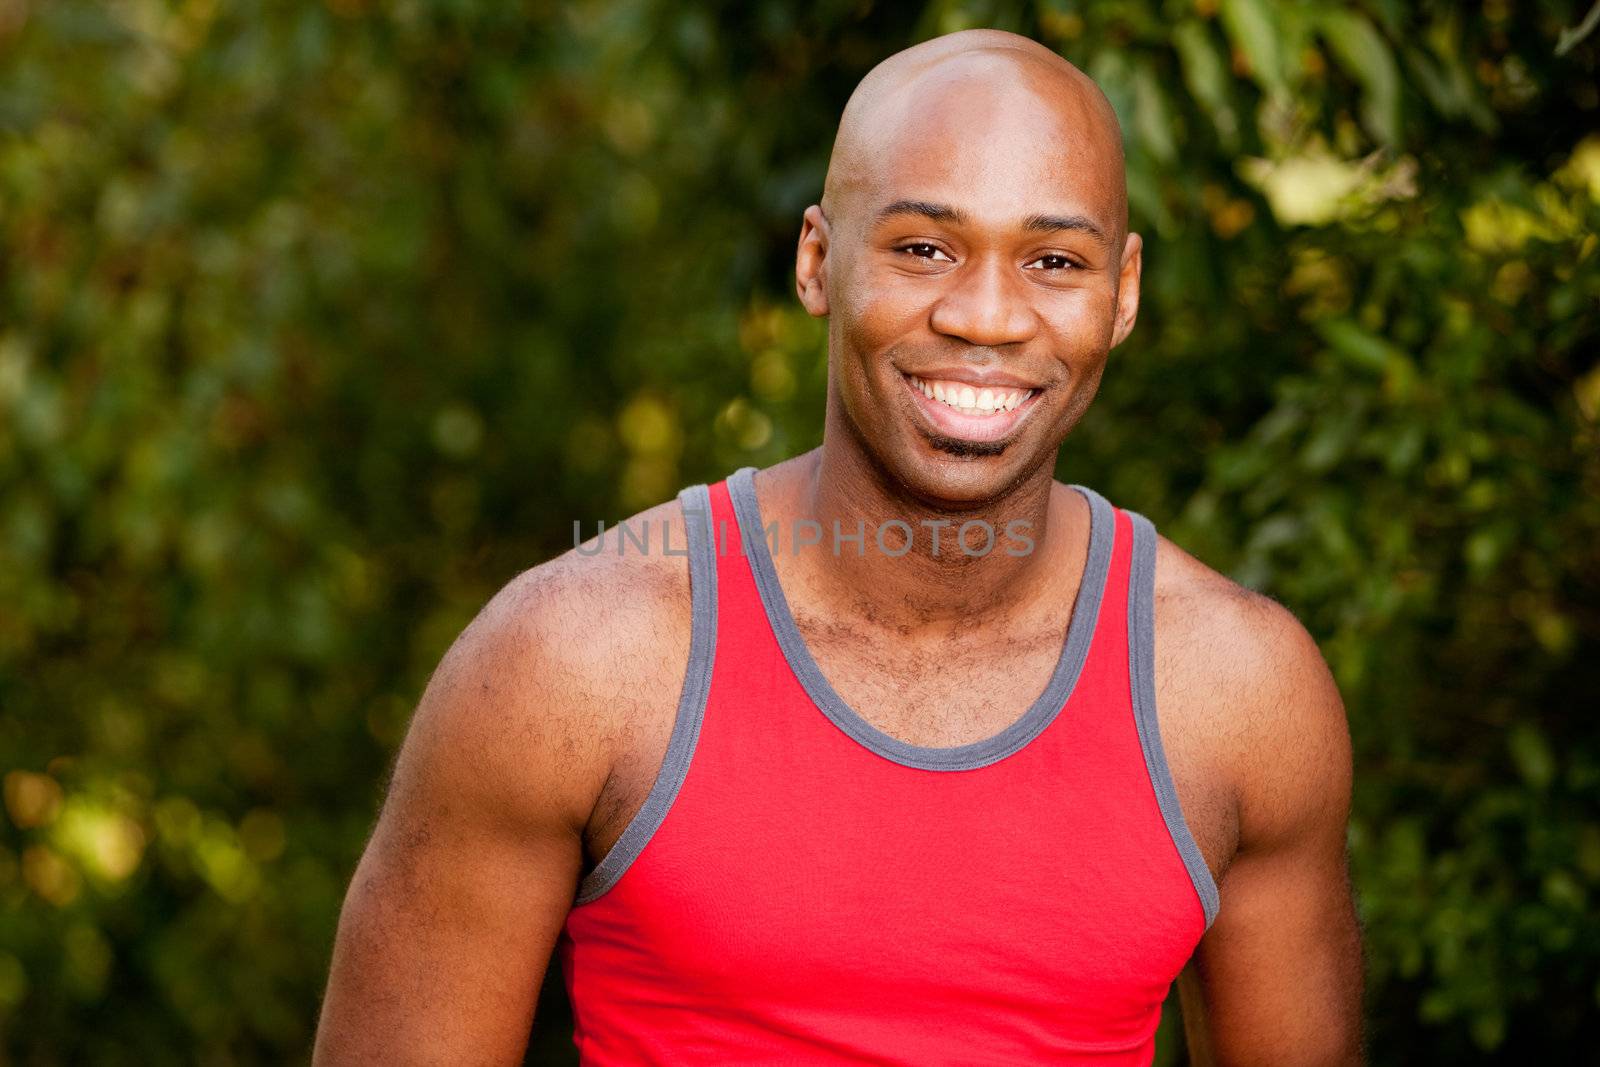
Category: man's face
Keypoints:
(974, 285)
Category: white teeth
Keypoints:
(965, 398)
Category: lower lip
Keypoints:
(963, 427)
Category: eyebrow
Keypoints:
(957, 217)
(1052, 223)
(936, 212)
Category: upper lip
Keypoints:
(978, 379)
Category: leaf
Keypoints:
(1572, 36)
(1366, 57)
(1255, 34)
(1207, 77)
(1306, 189)
(1360, 348)
(1152, 121)
(1531, 753)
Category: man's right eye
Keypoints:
(923, 250)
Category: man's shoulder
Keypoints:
(1246, 634)
(568, 652)
(1250, 679)
(603, 608)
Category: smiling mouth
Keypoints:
(969, 419)
(971, 400)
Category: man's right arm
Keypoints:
(455, 908)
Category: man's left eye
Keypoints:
(1055, 262)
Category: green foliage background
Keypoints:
(319, 321)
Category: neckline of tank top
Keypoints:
(974, 754)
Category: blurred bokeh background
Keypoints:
(321, 320)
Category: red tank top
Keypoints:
(801, 887)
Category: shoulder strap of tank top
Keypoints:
(1142, 680)
(701, 551)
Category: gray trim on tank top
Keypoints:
(1142, 677)
(1074, 648)
(696, 502)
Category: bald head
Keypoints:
(972, 237)
(954, 96)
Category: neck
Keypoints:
(935, 579)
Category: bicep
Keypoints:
(1277, 979)
(1278, 976)
(455, 907)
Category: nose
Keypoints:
(985, 306)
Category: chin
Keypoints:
(960, 473)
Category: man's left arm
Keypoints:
(1277, 980)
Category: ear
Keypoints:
(1128, 288)
(811, 261)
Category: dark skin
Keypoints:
(1007, 253)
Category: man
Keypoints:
(801, 782)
